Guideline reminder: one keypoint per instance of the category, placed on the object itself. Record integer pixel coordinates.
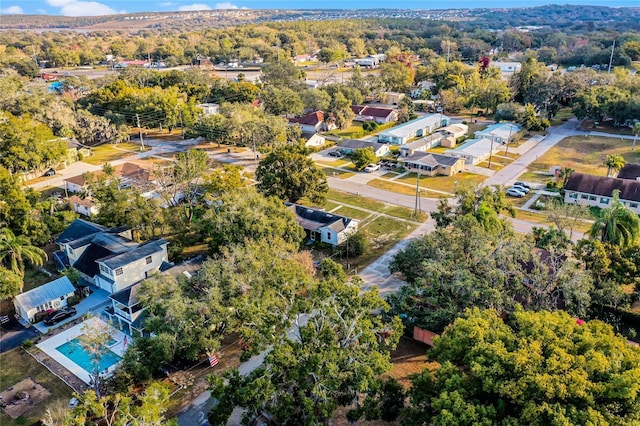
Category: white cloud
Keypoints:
(195, 6)
(167, 3)
(226, 5)
(83, 8)
(12, 10)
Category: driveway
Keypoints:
(13, 334)
(93, 303)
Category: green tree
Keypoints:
(94, 340)
(14, 250)
(341, 113)
(282, 74)
(11, 283)
(279, 101)
(614, 163)
(530, 368)
(247, 214)
(396, 76)
(362, 157)
(616, 224)
(290, 175)
(316, 99)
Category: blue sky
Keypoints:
(103, 7)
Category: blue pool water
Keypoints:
(76, 353)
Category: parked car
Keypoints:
(513, 192)
(522, 184)
(521, 188)
(371, 168)
(335, 154)
(50, 172)
(60, 315)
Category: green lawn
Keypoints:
(355, 130)
(110, 152)
(563, 115)
(18, 365)
(352, 212)
(401, 189)
(584, 155)
(444, 183)
(342, 174)
(369, 204)
(335, 163)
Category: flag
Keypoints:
(213, 360)
(124, 342)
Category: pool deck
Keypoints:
(49, 347)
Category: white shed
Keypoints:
(49, 296)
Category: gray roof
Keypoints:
(629, 171)
(127, 296)
(143, 250)
(314, 219)
(78, 228)
(357, 144)
(604, 186)
(45, 293)
(430, 159)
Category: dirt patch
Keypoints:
(22, 397)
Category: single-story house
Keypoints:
(500, 133)
(393, 98)
(426, 163)
(422, 126)
(474, 150)
(311, 122)
(371, 61)
(50, 296)
(130, 174)
(108, 258)
(629, 171)
(378, 114)
(349, 145)
(421, 145)
(84, 206)
(448, 142)
(209, 109)
(456, 130)
(506, 68)
(597, 191)
(322, 226)
(313, 139)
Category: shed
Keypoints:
(50, 296)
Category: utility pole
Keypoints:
(448, 49)
(611, 57)
(509, 139)
(181, 123)
(491, 152)
(140, 132)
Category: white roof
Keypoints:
(410, 127)
(501, 130)
(474, 148)
(45, 293)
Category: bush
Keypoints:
(552, 185)
(73, 300)
(27, 344)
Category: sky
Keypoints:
(107, 7)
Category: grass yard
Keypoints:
(475, 127)
(585, 155)
(355, 130)
(111, 152)
(563, 115)
(438, 150)
(402, 189)
(352, 212)
(444, 183)
(382, 234)
(17, 364)
(495, 165)
(340, 197)
(334, 163)
(341, 174)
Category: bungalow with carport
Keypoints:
(421, 145)
(597, 191)
(428, 164)
(48, 297)
(419, 127)
(380, 115)
(322, 226)
(347, 146)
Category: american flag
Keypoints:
(213, 360)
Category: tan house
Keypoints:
(428, 164)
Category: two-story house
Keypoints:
(108, 258)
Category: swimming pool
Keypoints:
(76, 353)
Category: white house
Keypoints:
(421, 145)
(322, 226)
(455, 130)
(349, 145)
(84, 206)
(209, 109)
(50, 296)
(313, 139)
(108, 258)
(419, 127)
(474, 150)
(500, 133)
(597, 191)
(506, 68)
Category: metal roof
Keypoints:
(45, 293)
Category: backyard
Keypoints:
(111, 152)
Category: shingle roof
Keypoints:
(45, 293)
(77, 229)
(127, 296)
(366, 110)
(430, 159)
(629, 171)
(313, 219)
(87, 261)
(143, 250)
(604, 186)
(311, 119)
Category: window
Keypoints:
(119, 271)
(633, 205)
(573, 195)
(592, 197)
(147, 260)
(104, 269)
(584, 196)
(604, 200)
(70, 250)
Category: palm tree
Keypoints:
(614, 162)
(616, 224)
(14, 250)
(636, 131)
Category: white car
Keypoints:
(521, 188)
(515, 192)
(371, 168)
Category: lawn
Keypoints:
(342, 174)
(111, 152)
(585, 155)
(352, 212)
(340, 197)
(355, 130)
(541, 219)
(334, 163)
(563, 115)
(444, 183)
(402, 189)
(495, 165)
(18, 365)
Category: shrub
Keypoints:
(73, 300)
(27, 344)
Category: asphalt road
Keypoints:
(14, 333)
